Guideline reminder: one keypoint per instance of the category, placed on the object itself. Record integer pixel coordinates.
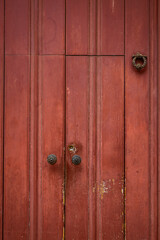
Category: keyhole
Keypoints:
(72, 148)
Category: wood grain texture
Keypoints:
(16, 148)
(93, 27)
(51, 141)
(100, 200)
(52, 27)
(17, 27)
(1, 110)
(137, 110)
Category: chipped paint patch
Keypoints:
(113, 181)
(103, 189)
(109, 185)
(122, 190)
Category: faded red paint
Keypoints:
(67, 79)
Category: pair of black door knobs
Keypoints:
(52, 159)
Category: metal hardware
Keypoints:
(51, 159)
(72, 148)
(142, 58)
(76, 159)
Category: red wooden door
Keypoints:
(68, 87)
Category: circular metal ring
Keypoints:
(139, 66)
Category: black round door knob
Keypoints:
(51, 159)
(76, 159)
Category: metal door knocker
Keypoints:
(143, 61)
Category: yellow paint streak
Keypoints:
(63, 196)
(125, 211)
(63, 233)
(103, 189)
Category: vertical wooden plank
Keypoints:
(98, 30)
(17, 25)
(92, 148)
(1, 110)
(77, 134)
(110, 148)
(137, 123)
(102, 168)
(33, 119)
(111, 185)
(52, 27)
(16, 150)
(153, 120)
(98, 149)
(51, 141)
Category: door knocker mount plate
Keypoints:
(142, 61)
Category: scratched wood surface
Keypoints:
(106, 182)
